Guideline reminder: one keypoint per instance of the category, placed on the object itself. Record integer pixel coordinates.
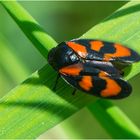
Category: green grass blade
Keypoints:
(10, 63)
(33, 104)
(115, 122)
(12, 70)
(30, 27)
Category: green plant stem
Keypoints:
(42, 41)
(115, 122)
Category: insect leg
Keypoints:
(74, 91)
(56, 81)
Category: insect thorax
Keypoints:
(61, 56)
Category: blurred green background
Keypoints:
(63, 21)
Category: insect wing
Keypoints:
(104, 87)
(95, 79)
(101, 50)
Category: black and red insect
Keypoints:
(94, 66)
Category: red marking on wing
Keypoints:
(80, 49)
(86, 83)
(121, 51)
(74, 69)
(96, 45)
(112, 87)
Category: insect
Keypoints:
(94, 66)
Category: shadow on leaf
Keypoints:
(123, 12)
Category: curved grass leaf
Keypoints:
(35, 106)
(42, 41)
